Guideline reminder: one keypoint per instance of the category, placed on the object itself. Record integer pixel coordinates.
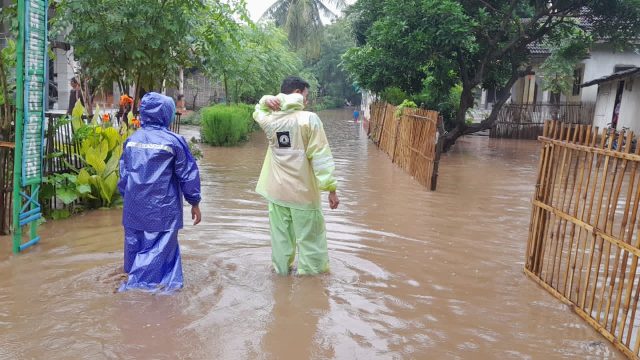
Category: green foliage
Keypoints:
(328, 102)
(7, 65)
(301, 20)
(393, 95)
(195, 150)
(444, 43)
(568, 48)
(404, 105)
(224, 125)
(192, 118)
(143, 42)
(99, 150)
(332, 78)
(250, 63)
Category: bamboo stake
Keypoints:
(567, 279)
(634, 267)
(547, 191)
(554, 240)
(535, 210)
(593, 240)
(576, 134)
(612, 206)
(623, 228)
(535, 241)
(605, 175)
(585, 197)
(562, 189)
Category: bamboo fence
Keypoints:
(409, 139)
(583, 240)
(525, 121)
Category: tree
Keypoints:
(328, 69)
(471, 43)
(251, 63)
(141, 42)
(302, 21)
(9, 17)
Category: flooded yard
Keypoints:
(414, 274)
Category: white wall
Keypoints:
(601, 63)
(630, 106)
(606, 97)
(63, 67)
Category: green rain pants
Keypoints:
(304, 229)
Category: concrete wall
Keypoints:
(629, 116)
(606, 96)
(205, 92)
(63, 72)
(630, 106)
(602, 62)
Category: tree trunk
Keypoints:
(461, 128)
(466, 102)
(226, 89)
(88, 103)
(136, 97)
(181, 101)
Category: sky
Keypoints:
(257, 7)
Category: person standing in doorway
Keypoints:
(74, 95)
(297, 167)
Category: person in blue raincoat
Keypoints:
(156, 171)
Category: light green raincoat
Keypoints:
(297, 166)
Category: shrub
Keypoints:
(394, 96)
(226, 125)
(192, 118)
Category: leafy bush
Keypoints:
(328, 102)
(193, 118)
(405, 104)
(394, 96)
(95, 183)
(226, 125)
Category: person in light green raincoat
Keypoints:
(297, 167)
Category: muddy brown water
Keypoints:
(414, 274)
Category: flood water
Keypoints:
(414, 274)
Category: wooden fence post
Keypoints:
(436, 160)
(395, 142)
(381, 126)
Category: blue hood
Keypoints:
(157, 109)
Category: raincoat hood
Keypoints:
(291, 102)
(157, 109)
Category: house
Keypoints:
(602, 61)
(617, 99)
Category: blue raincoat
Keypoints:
(156, 171)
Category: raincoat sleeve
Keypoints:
(187, 173)
(319, 152)
(124, 174)
(262, 110)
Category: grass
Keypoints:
(226, 125)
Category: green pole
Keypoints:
(17, 156)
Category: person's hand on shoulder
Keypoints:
(273, 103)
